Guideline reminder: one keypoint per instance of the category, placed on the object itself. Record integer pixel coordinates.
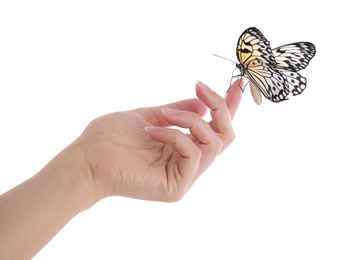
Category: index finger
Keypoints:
(233, 97)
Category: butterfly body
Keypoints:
(272, 72)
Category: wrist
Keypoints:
(76, 177)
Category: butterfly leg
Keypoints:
(241, 87)
(244, 87)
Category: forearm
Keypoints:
(32, 213)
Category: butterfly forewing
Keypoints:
(295, 56)
(253, 45)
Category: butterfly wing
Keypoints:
(252, 45)
(291, 58)
(271, 82)
(296, 82)
(294, 56)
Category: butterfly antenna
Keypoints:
(223, 58)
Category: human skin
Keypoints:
(133, 154)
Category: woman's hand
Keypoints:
(136, 153)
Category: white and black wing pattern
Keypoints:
(272, 72)
(252, 45)
(271, 82)
(291, 58)
(294, 56)
(258, 64)
(297, 82)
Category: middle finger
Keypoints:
(199, 129)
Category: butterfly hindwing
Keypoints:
(296, 82)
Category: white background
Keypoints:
(275, 193)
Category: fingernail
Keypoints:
(203, 87)
(170, 111)
(241, 82)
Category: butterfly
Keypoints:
(272, 72)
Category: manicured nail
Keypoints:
(170, 111)
(203, 87)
